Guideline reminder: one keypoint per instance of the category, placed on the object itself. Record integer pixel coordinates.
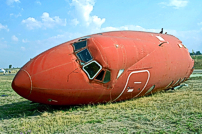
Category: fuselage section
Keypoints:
(105, 67)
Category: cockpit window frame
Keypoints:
(91, 78)
(82, 61)
(106, 77)
(81, 48)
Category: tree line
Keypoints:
(195, 53)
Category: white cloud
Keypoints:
(38, 2)
(14, 38)
(25, 40)
(51, 22)
(16, 15)
(129, 27)
(84, 9)
(4, 27)
(176, 3)
(10, 2)
(32, 23)
(46, 22)
(74, 22)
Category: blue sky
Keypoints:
(28, 28)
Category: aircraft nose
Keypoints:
(22, 83)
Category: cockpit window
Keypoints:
(100, 75)
(84, 56)
(79, 45)
(92, 69)
(107, 76)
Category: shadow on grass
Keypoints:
(26, 108)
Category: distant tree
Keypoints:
(10, 66)
(198, 53)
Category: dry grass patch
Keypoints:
(165, 112)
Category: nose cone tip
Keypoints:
(22, 83)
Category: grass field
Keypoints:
(177, 111)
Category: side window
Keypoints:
(79, 45)
(107, 77)
(104, 76)
(92, 69)
(84, 55)
(82, 52)
(100, 75)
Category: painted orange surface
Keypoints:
(105, 67)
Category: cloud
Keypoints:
(38, 2)
(10, 2)
(46, 22)
(16, 15)
(83, 11)
(129, 27)
(175, 3)
(25, 40)
(74, 22)
(51, 22)
(14, 38)
(4, 27)
(32, 23)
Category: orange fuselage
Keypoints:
(104, 67)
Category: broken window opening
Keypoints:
(92, 69)
(107, 77)
(79, 45)
(84, 56)
(100, 75)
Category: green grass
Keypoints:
(177, 111)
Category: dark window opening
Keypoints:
(100, 75)
(107, 77)
(79, 45)
(92, 69)
(84, 55)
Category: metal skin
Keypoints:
(134, 64)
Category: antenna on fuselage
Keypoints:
(161, 31)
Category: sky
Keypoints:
(28, 28)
